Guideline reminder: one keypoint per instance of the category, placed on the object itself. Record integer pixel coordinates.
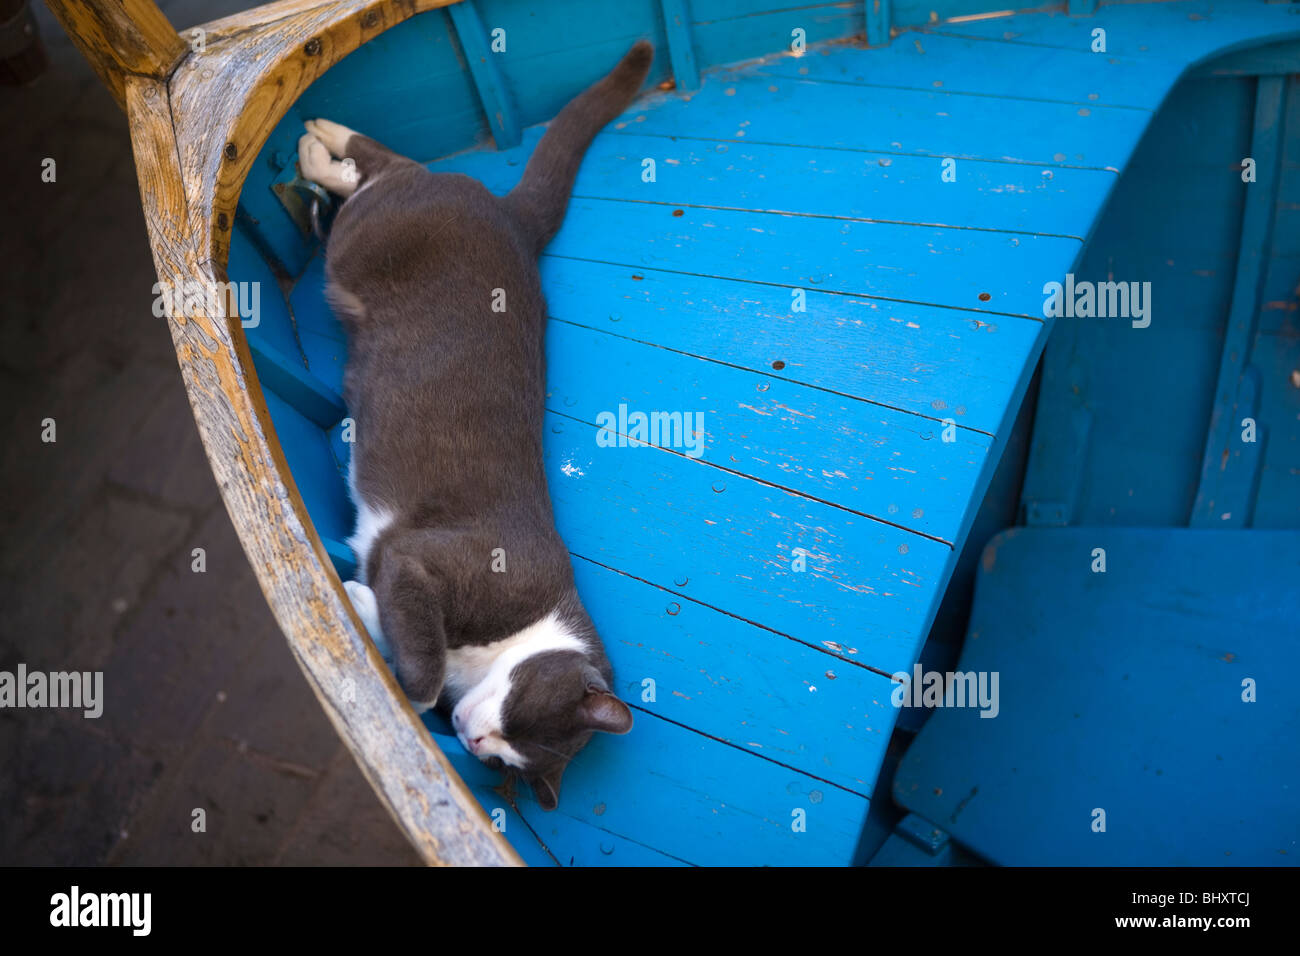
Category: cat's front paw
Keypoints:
(333, 135)
(316, 164)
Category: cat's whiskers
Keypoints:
(554, 751)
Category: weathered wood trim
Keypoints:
(194, 138)
(259, 18)
(120, 39)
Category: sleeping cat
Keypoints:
(462, 573)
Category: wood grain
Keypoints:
(126, 38)
(233, 93)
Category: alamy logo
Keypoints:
(192, 298)
(1102, 300)
(938, 689)
(103, 909)
(666, 429)
(76, 689)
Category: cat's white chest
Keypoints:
(469, 666)
(488, 667)
(371, 522)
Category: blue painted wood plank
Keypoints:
(779, 699)
(312, 465)
(582, 844)
(1123, 692)
(879, 21)
(306, 302)
(578, 843)
(494, 94)
(874, 461)
(287, 378)
(1229, 469)
(514, 827)
(342, 557)
(632, 801)
(1099, 369)
(273, 328)
(981, 272)
(728, 32)
(556, 50)
(1183, 30)
(1273, 59)
(912, 13)
(928, 361)
(962, 65)
(1291, 148)
(1277, 503)
(703, 802)
(748, 105)
(818, 182)
(325, 358)
(681, 49)
(868, 586)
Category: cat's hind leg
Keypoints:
(410, 612)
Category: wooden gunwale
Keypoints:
(197, 122)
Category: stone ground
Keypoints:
(204, 706)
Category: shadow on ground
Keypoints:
(204, 707)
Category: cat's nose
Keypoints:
(476, 745)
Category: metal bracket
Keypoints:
(308, 204)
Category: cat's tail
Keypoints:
(540, 199)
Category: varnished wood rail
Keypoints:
(200, 107)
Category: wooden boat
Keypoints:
(829, 230)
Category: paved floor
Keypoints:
(204, 708)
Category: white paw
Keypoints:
(367, 608)
(335, 136)
(338, 176)
(313, 158)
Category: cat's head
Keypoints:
(532, 714)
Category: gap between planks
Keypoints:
(758, 481)
(853, 149)
(822, 215)
(1090, 104)
(782, 285)
(752, 753)
(767, 374)
(731, 614)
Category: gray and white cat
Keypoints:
(447, 396)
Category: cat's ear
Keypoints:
(546, 788)
(601, 710)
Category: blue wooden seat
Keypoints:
(1145, 713)
(839, 261)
